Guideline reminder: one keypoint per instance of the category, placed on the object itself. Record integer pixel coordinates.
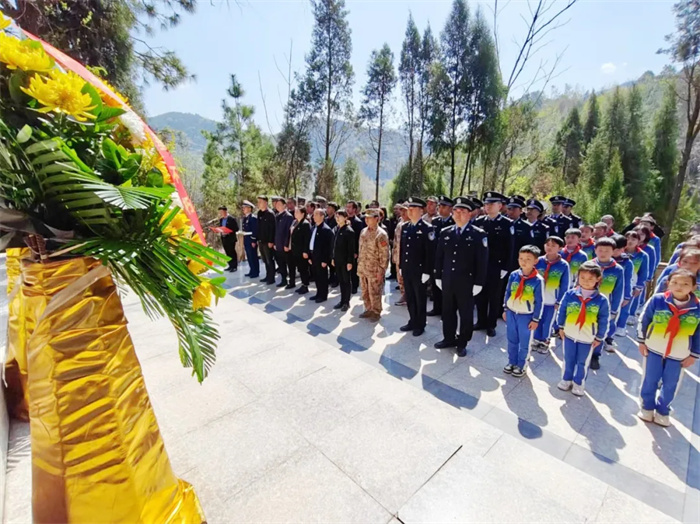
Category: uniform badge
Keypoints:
(512, 230)
(485, 242)
(431, 235)
(447, 237)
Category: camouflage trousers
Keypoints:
(401, 286)
(372, 293)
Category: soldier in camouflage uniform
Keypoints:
(396, 252)
(372, 263)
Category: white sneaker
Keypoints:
(564, 385)
(609, 348)
(631, 321)
(620, 332)
(647, 415)
(578, 390)
(662, 420)
(543, 348)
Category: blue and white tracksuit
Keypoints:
(653, 261)
(626, 262)
(640, 277)
(521, 309)
(671, 334)
(676, 254)
(655, 243)
(662, 284)
(556, 282)
(613, 287)
(574, 259)
(583, 321)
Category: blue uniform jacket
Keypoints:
(596, 320)
(640, 261)
(653, 328)
(250, 225)
(676, 253)
(461, 258)
(653, 261)
(532, 298)
(417, 249)
(628, 268)
(557, 281)
(613, 284)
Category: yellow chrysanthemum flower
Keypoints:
(107, 99)
(202, 295)
(26, 55)
(61, 92)
(196, 267)
(4, 22)
(178, 225)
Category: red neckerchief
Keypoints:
(569, 255)
(614, 263)
(521, 285)
(549, 265)
(590, 243)
(581, 320)
(674, 324)
(652, 235)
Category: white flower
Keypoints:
(133, 123)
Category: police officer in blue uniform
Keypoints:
(250, 241)
(540, 230)
(499, 231)
(460, 270)
(416, 264)
(522, 231)
(443, 220)
(557, 221)
(566, 209)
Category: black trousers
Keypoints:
(281, 258)
(333, 278)
(354, 279)
(230, 250)
(268, 258)
(437, 296)
(302, 264)
(321, 278)
(489, 303)
(345, 284)
(457, 299)
(392, 271)
(291, 268)
(417, 298)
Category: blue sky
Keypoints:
(605, 42)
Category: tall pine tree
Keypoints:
(409, 73)
(590, 130)
(612, 199)
(429, 56)
(615, 125)
(570, 141)
(381, 80)
(664, 155)
(635, 157)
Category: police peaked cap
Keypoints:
(570, 203)
(516, 201)
(477, 203)
(462, 202)
(494, 196)
(558, 199)
(415, 202)
(535, 204)
(319, 198)
(278, 198)
(247, 203)
(263, 197)
(445, 200)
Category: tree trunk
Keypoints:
(329, 91)
(466, 165)
(411, 123)
(379, 148)
(453, 147)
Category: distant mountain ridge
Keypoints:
(357, 144)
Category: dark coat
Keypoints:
(266, 226)
(250, 225)
(231, 223)
(417, 249)
(323, 245)
(461, 258)
(283, 230)
(499, 232)
(301, 235)
(344, 246)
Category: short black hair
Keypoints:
(689, 252)
(632, 234)
(620, 241)
(312, 204)
(680, 272)
(644, 230)
(591, 267)
(342, 213)
(573, 231)
(223, 208)
(334, 205)
(292, 199)
(353, 204)
(533, 250)
(605, 241)
(301, 210)
(557, 240)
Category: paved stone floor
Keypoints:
(311, 415)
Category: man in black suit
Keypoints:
(321, 249)
(283, 230)
(331, 210)
(229, 239)
(443, 220)
(266, 238)
(343, 258)
(357, 225)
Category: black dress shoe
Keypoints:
(281, 284)
(461, 352)
(418, 332)
(433, 313)
(303, 290)
(263, 280)
(443, 344)
(595, 362)
(313, 297)
(345, 307)
(290, 286)
(490, 332)
(247, 275)
(234, 270)
(321, 299)
(478, 327)
(407, 327)
(338, 305)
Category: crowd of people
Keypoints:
(545, 275)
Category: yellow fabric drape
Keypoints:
(97, 453)
(15, 361)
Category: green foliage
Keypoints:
(590, 130)
(570, 142)
(351, 181)
(611, 199)
(664, 156)
(401, 189)
(635, 157)
(326, 182)
(326, 87)
(410, 70)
